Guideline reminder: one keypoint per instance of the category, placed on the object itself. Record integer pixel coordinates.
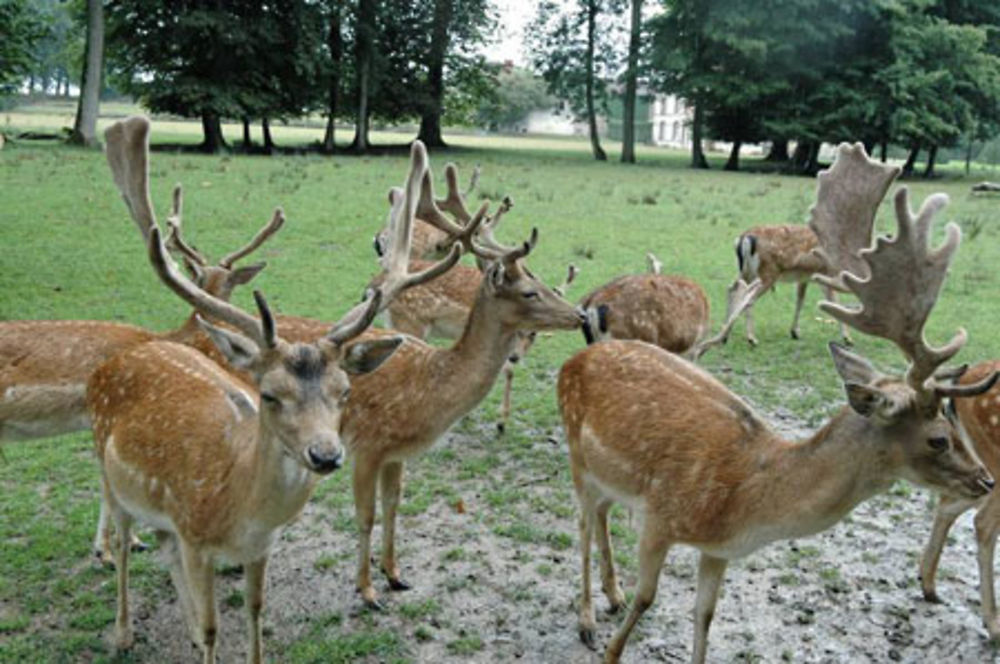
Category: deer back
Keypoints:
(438, 307)
(774, 253)
(665, 310)
(980, 416)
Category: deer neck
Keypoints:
(186, 333)
(810, 485)
(478, 356)
(279, 484)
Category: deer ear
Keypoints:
(242, 275)
(495, 274)
(871, 401)
(363, 357)
(238, 350)
(602, 318)
(852, 367)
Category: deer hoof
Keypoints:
(932, 597)
(752, 341)
(588, 638)
(138, 545)
(398, 584)
(795, 335)
(501, 428)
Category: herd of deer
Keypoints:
(216, 433)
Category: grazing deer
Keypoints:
(979, 421)
(668, 311)
(45, 364)
(188, 448)
(399, 411)
(652, 430)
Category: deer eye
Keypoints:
(938, 443)
(269, 399)
(344, 396)
(530, 295)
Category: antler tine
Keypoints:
(655, 264)
(204, 302)
(454, 202)
(127, 152)
(272, 227)
(847, 198)
(906, 279)
(486, 239)
(175, 241)
(739, 297)
(428, 210)
(571, 273)
(473, 182)
(349, 327)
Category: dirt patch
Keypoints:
(496, 580)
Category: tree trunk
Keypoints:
(812, 161)
(430, 119)
(265, 128)
(931, 158)
(800, 156)
(883, 150)
(335, 42)
(697, 154)
(364, 54)
(911, 159)
(778, 151)
(211, 127)
(631, 73)
(247, 143)
(85, 126)
(968, 156)
(733, 163)
(595, 141)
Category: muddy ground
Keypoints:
(491, 551)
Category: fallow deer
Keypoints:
(383, 429)
(189, 449)
(650, 429)
(668, 311)
(979, 421)
(45, 364)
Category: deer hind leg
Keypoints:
(103, 550)
(987, 522)
(653, 549)
(845, 332)
(710, 573)
(200, 575)
(391, 485)
(587, 621)
(256, 583)
(364, 480)
(123, 522)
(948, 509)
(800, 298)
(609, 579)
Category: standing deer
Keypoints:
(668, 311)
(45, 364)
(399, 411)
(189, 449)
(650, 429)
(979, 421)
(787, 253)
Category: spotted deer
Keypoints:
(652, 430)
(668, 311)
(440, 308)
(215, 464)
(786, 253)
(979, 421)
(398, 412)
(45, 364)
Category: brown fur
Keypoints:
(650, 428)
(980, 419)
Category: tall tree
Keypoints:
(85, 126)
(574, 48)
(430, 119)
(23, 28)
(364, 59)
(631, 76)
(335, 47)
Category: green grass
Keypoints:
(68, 250)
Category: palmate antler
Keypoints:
(899, 279)
(847, 199)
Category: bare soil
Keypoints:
(500, 583)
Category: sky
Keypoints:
(514, 16)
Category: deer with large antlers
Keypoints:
(217, 465)
(383, 429)
(978, 420)
(648, 428)
(45, 364)
(440, 308)
(668, 311)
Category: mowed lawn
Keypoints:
(69, 250)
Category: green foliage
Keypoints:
(518, 92)
(23, 28)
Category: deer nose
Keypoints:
(581, 314)
(987, 483)
(324, 460)
(514, 359)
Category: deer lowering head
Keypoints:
(650, 428)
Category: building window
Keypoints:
(677, 132)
